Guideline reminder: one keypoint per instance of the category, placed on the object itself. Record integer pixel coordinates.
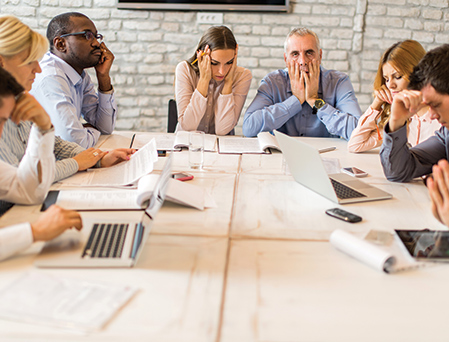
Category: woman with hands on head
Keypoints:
(391, 80)
(30, 181)
(210, 88)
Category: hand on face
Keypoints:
(28, 109)
(105, 63)
(117, 156)
(230, 77)
(53, 222)
(297, 82)
(204, 63)
(312, 81)
(405, 104)
(439, 191)
(382, 95)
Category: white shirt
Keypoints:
(21, 185)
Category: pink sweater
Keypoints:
(365, 136)
(216, 113)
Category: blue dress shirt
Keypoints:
(275, 107)
(67, 95)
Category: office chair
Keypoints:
(172, 116)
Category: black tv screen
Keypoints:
(209, 5)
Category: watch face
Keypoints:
(319, 103)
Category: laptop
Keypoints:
(111, 243)
(307, 168)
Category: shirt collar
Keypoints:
(71, 73)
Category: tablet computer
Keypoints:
(432, 245)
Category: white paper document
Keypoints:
(78, 305)
(167, 142)
(135, 199)
(261, 144)
(379, 250)
(141, 163)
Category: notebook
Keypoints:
(114, 243)
(307, 168)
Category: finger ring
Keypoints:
(95, 154)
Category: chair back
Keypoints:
(172, 116)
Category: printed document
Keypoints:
(261, 144)
(141, 163)
(78, 305)
(167, 142)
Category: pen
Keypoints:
(196, 60)
(327, 149)
(132, 141)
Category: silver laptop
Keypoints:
(111, 243)
(307, 168)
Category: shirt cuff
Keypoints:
(399, 136)
(45, 142)
(109, 92)
(14, 239)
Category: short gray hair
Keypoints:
(302, 31)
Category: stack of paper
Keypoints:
(78, 305)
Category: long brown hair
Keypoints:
(218, 38)
(403, 56)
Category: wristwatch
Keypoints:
(319, 103)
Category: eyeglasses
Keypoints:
(87, 34)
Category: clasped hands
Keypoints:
(304, 83)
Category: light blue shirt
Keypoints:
(67, 96)
(275, 107)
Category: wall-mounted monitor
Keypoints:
(206, 5)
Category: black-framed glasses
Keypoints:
(89, 35)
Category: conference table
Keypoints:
(259, 265)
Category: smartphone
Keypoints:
(182, 176)
(354, 171)
(343, 215)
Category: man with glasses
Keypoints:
(65, 89)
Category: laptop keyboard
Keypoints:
(345, 192)
(106, 240)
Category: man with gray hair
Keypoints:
(304, 99)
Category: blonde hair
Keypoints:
(403, 56)
(15, 37)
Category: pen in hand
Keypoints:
(196, 60)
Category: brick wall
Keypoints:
(149, 44)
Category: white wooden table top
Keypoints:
(247, 270)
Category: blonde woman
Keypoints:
(392, 77)
(20, 50)
(210, 88)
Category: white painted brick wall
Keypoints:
(148, 44)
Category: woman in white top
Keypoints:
(210, 88)
(395, 67)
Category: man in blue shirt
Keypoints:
(65, 89)
(304, 99)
